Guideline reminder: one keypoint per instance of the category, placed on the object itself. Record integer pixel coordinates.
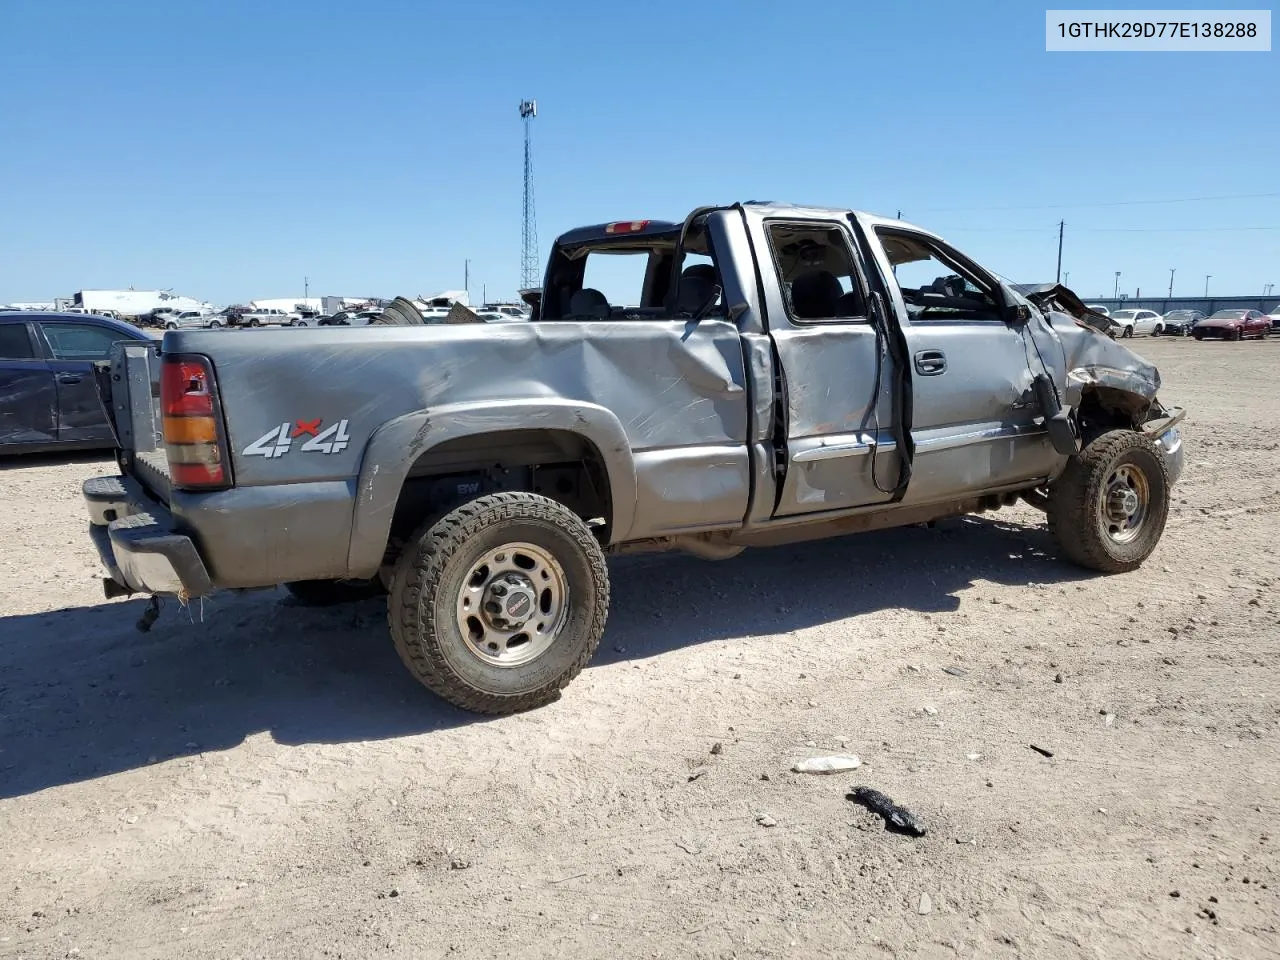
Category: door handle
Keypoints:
(930, 363)
(69, 378)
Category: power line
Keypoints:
(1054, 229)
(1111, 203)
(1170, 229)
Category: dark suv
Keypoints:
(48, 396)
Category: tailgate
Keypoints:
(129, 385)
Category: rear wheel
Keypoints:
(1108, 508)
(500, 603)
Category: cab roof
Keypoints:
(625, 231)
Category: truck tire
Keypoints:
(329, 593)
(498, 604)
(1108, 508)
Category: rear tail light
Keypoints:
(626, 226)
(194, 440)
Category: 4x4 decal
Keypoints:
(278, 441)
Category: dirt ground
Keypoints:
(253, 779)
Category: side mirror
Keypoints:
(1017, 314)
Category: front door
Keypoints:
(974, 412)
(73, 348)
(28, 398)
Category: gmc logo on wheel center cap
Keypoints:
(518, 605)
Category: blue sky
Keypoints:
(229, 149)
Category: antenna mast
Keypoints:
(530, 268)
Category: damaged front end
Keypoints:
(1107, 384)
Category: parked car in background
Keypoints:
(498, 316)
(1098, 309)
(48, 395)
(1274, 317)
(1178, 323)
(514, 311)
(187, 319)
(1135, 321)
(1233, 325)
(350, 318)
(270, 316)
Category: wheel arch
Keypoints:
(410, 445)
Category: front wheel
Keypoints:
(1128, 332)
(497, 605)
(1108, 508)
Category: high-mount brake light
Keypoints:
(626, 226)
(190, 419)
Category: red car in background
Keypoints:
(1233, 325)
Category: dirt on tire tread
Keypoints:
(422, 564)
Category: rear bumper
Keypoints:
(138, 543)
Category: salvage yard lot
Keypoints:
(252, 778)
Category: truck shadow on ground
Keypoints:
(83, 694)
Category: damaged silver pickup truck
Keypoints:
(780, 374)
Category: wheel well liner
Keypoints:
(453, 438)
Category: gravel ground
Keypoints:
(255, 779)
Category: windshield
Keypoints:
(1230, 314)
(1125, 314)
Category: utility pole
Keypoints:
(306, 287)
(1116, 294)
(484, 294)
(1206, 283)
(1171, 269)
(1066, 279)
(466, 277)
(1061, 226)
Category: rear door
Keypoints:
(837, 409)
(973, 408)
(28, 397)
(72, 349)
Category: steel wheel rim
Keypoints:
(1125, 503)
(512, 605)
